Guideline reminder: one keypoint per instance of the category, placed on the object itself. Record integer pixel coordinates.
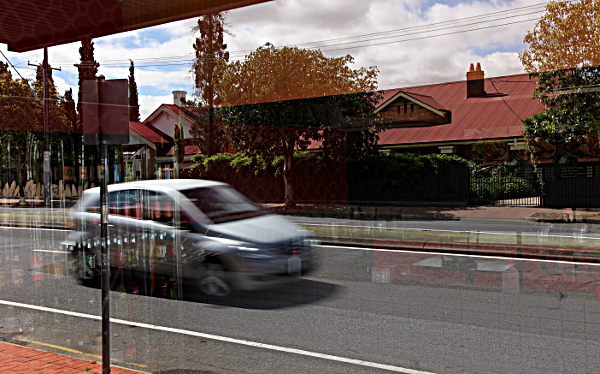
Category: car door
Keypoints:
(125, 241)
(159, 236)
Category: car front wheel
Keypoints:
(215, 281)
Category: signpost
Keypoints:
(105, 121)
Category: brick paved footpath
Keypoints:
(15, 359)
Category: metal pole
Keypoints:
(47, 187)
(105, 263)
(105, 279)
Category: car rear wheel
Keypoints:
(215, 281)
(85, 272)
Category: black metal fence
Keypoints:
(505, 185)
(575, 185)
(568, 185)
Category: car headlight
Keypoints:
(245, 248)
(312, 242)
(251, 252)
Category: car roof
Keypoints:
(161, 184)
(176, 184)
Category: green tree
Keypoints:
(59, 128)
(87, 68)
(69, 109)
(211, 52)
(57, 122)
(20, 114)
(279, 100)
(134, 105)
(70, 143)
(4, 68)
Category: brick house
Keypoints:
(478, 118)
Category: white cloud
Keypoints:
(429, 59)
(162, 54)
(149, 103)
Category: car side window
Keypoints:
(125, 203)
(158, 207)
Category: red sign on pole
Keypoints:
(105, 109)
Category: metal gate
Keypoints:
(504, 185)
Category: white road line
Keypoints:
(462, 255)
(225, 339)
(457, 231)
(51, 251)
(31, 228)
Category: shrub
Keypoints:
(497, 187)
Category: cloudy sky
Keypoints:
(412, 42)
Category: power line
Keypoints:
(345, 43)
(428, 31)
(13, 66)
(414, 29)
(427, 37)
(504, 101)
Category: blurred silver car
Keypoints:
(203, 233)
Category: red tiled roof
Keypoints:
(509, 100)
(154, 135)
(429, 100)
(189, 114)
(189, 150)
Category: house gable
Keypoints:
(410, 109)
(166, 116)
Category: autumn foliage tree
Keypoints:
(566, 37)
(279, 100)
(564, 56)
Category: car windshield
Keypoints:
(222, 203)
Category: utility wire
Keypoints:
(427, 37)
(450, 24)
(325, 48)
(504, 101)
(13, 66)
(414, 29)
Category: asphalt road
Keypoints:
(363, 311)
(463, 225)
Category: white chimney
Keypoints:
(179, 97)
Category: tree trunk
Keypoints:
(211, 133)
(288, 160)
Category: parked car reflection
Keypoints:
(202, 233)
